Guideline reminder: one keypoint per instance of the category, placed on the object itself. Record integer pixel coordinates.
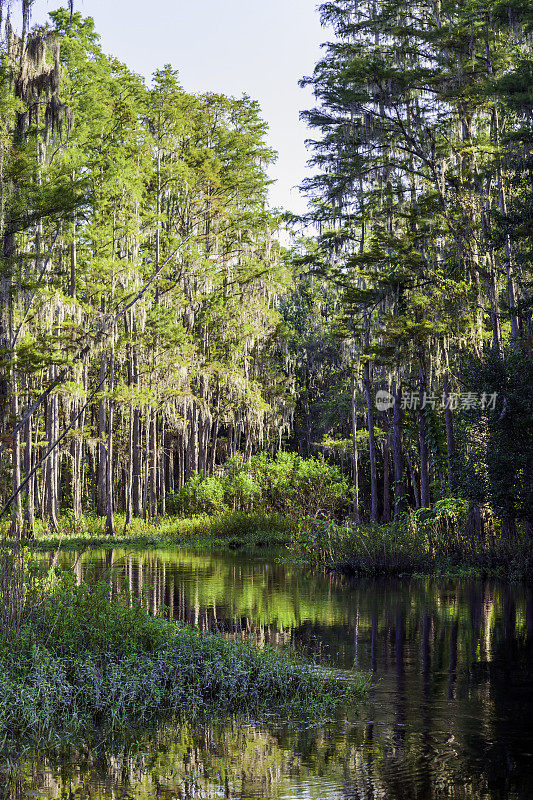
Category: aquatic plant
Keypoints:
(89, 662)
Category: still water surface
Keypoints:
(450, 714)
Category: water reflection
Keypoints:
(451, 711)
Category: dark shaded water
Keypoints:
(451, 707)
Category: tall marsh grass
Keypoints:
(425, 541)
(236, 528)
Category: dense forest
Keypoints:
(140, 280)
(422, 195)
(152, 327)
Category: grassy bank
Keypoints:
(428, 543)
(78, 663)
(234, 530)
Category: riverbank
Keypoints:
(414, 544)
(80, 662)
(429, 543)
(235, 530)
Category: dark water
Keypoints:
(450, 713)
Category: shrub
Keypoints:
(241, 490)
(201, 494)
(286, 484)
(424, 541)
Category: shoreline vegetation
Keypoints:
(302, 510)
(427, 544)
(74, 662)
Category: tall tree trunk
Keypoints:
(110, 524)
(136, 442)
(153, 464)
(29, 513)
(494, 298)
(146, 427)
(162, 460)
(397, 450)
(355, 454)
(101, 501)
(16, 520)
(50, 469)
(73, 263)
(386, 480)
(450, 437)
(414, 484)
(423, 431)
(511, 286)
(370, 422)
(77, 468)
(128, 488)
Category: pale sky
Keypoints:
(258, 47)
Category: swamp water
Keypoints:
(450, 711)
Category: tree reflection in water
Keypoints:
(451, 708)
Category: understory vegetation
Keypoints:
(287, 484)
(429, 541)
(233, 529)
(301, 509)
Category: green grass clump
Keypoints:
(233, 529)
(428, 541)
(86, 663)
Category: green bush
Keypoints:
(201, 494)
(286, 484)
(302, 487)
(241, 491)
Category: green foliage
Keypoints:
(93, 663)
(287, 484)
(497, 466)
(424, 541)
(201, 494)
(300, 487)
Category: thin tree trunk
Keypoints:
(16, 520)
(146, 427)
(77, 469)
(136, 458)
(424, 450)
(29, 513)
(511, 287)
(101, 502)
(50, 471)
(370, 422)
(128, 493)
(163, 468)
(397, 450)
(386, 480)
(153, 464)
(73, 263)
(355, 454)
(416, 493)
(450, 438)
(110, 524)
